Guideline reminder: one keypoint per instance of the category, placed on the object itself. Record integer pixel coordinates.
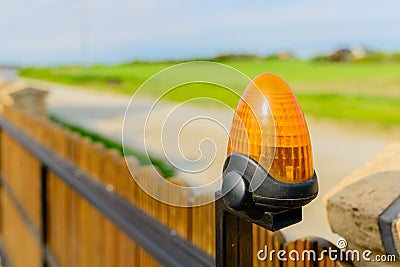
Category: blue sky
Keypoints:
(105, 31)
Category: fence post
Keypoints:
(234, 239)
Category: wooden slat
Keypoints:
(111, 170)
(203, 224)
(96, 223)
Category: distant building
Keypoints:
(355, 52)
(341, 55)
(9, 73)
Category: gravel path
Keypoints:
(339, 148)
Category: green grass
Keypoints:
(166, 170)
(292, 71)
(365, 109)
(365, 92)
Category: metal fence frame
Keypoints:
(155, 238)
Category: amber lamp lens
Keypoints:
(269, 126)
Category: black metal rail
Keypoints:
(155, 238)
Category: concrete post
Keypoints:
(25, 97)
(360, 205)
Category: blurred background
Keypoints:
(342, 59)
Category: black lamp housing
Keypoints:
(249, 191)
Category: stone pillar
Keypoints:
(363, 202)
(25, 97)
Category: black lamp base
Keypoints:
(234, 241)
(270, 220)
(273, 221)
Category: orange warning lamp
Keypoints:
(277, 138)
(269, 167)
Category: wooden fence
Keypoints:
(75, 232)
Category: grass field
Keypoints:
(362, 92)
